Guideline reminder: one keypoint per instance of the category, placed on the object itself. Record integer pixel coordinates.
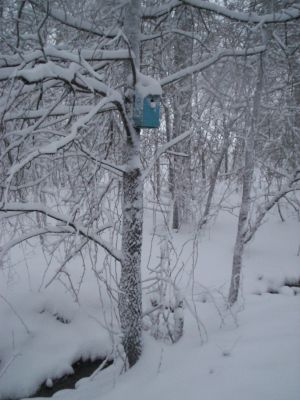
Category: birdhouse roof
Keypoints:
(146, 85)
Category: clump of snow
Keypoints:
(49, 382)
(146, 85)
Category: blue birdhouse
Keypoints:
(146, 111)
(146, 102)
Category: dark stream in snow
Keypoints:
(82, 369)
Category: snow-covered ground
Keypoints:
(251, 352)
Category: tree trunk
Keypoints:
(203, 166)
(130, 296)
(242, 221)
(183, 50)
(213, 179)
(246, 199)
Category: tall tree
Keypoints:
(130, 296)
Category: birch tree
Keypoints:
(248, 171)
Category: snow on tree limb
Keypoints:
(50, 70)
(73, 22)
(207, 63)
(285, 15)
(64, 55)
(289, 187)
(60, 110)
(69, 226)
(53, 147)
(163, 149)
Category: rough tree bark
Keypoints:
(130, 296)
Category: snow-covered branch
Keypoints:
(54, 146)
(207, 63)
(50, 70)
(74, 22)
(289, 187)
(60, 110)
(285, 15)
(64, 55)
(163, 149)
(282, 16)
(69, 226)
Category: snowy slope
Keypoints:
(251, 352)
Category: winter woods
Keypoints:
(76, 173)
